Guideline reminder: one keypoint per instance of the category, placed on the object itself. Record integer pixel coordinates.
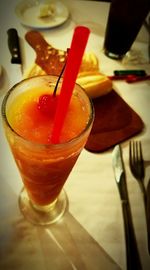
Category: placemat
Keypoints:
(115, 121)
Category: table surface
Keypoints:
(91, 234)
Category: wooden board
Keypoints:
(115, 121)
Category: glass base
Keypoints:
(43, 215)
(113, 55)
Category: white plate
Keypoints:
(28, 13)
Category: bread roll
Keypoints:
(95, 83)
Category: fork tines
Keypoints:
(136, 159)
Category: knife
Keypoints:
(14, 48)
(132, 254)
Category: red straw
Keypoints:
(74, 59)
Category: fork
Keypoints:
(137, 168)
(137, 164)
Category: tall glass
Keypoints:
(44, 168)
(124, 22)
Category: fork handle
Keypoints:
(147, 210)
(148, 214)
(132, 254)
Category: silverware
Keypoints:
(132, 254)
(14, 48)
(137, 168)
(148, 210)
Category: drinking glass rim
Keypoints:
(57, 145)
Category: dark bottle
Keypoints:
(124, 22)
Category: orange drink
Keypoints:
(28, 112)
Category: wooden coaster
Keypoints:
(115, 121)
